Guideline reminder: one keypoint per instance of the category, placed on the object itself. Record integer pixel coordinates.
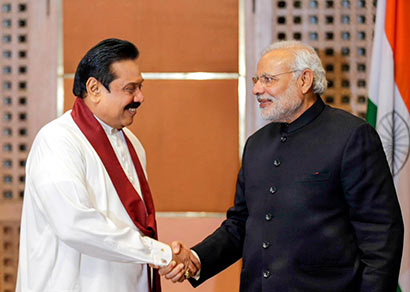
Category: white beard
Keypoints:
(282, 107)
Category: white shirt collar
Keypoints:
(108, 129)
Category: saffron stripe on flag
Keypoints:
(397, 27)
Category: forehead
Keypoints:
(275, 61)
(126, 70)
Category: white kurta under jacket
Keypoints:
(75, 233)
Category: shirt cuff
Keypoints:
(198, 274)
(161, 253)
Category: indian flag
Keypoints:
(389, 105)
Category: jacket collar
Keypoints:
(306, 118)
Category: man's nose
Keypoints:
(258, 88)
(139, 97)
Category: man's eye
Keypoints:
(266, 79)
(130, 89)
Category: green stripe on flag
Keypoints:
(398, 289)
(371, 115)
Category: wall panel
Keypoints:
(342, 33)
(27, 101)
(191, 231)
(173, 36)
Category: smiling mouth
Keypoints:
(133, 106)
(263, 102)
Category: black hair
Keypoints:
(97, 63)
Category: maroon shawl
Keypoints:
(143, 215)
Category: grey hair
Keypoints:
(305, 57)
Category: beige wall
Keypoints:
(189, 128)
(189, 230)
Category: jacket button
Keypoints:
(272, 190)
(276, 163)
(266, 274)
(283, 139)
(268, 217)
(265, 244)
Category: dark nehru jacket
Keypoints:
(315, 210)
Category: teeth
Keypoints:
(132, 109)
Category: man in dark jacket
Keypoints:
(315, 206)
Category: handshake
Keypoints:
(184, 264)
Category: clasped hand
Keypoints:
(183, 264)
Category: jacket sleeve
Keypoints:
(373, 209)
(224, 247)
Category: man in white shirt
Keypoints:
(88, 221)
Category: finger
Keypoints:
(179, 277)
(165, 270)
(176, 271)
(195, 261)
(176, 247)
(192, 268)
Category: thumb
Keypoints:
(176, 247)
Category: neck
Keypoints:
(89, 104)
(308, 100)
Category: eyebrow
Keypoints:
(268, 74)
(134, 83)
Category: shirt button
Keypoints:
(272, 190)
(265, 244)
(276, 162)
(266, 274)
(283, 139)
(268, 217)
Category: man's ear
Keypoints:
(93, 87)
(306, 80)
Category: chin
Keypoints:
(127, 123)
(268, 115)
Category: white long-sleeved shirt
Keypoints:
(75, 233)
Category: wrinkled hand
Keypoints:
(182, 259)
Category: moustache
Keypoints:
(133, 105)
(260, 97)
